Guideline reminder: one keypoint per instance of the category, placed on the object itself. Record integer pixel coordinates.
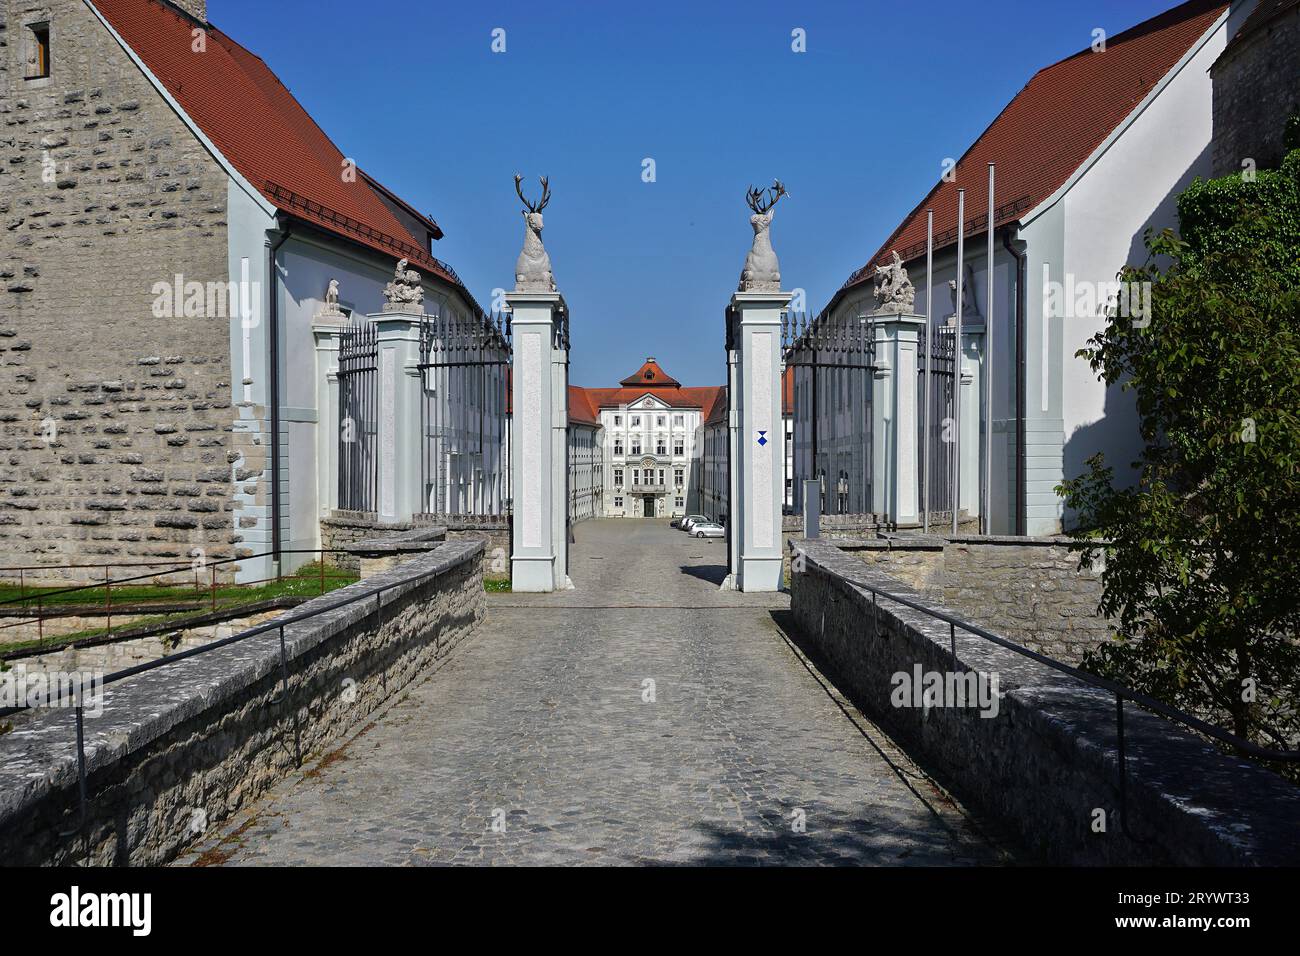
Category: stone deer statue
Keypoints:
(762, 273)
(533, 267)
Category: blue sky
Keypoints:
(856, 127)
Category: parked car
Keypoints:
(685, 523)
(707, 529)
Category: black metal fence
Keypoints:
(358, 417)
(936, 426)
(464, 413)
(827, 379)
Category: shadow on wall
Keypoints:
(1115, 434)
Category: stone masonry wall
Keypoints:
(1256, 88)
(103, 193)
(1028, 589)
(201, 738)
(343, 528)
(1044, 761)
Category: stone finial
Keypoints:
(762, 273)
(406, 292)
(970, 310)
(894, 290)
(330, 309)
(533, 267)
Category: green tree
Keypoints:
(1203, 576)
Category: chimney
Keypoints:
(195, 8)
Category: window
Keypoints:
(662, 479)
(660, 421)
(660, 447)
(618, 446)
(618, 501)
(635, 421)
(38, 51)
(679, 447)
(679, 476)
(636, 476)
(618, 419)
(618, 476)
(679, 502)
(636, 446)
(678, 421)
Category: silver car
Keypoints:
(707, 529)
(686, 523)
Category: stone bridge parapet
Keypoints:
(1045, 760)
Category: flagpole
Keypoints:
(986, 510)
(926, 444)
(956, 377)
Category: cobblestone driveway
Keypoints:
(537, 743)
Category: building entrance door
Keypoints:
(648, 506)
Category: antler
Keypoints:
(761, 203)
(541, 204)
(520, 193)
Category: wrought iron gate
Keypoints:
(830, 359)
(464, 414)
(935, 426)
(358, 417)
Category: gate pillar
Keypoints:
(327, 330)
(539, 444)
(758, 436)
(970, 381)
(400, 389)
(895, 435)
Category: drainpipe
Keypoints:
(273, 329)
(1021, 266)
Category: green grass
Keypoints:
(496, 585)
(305, 583)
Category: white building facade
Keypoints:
(1133, 123)
(648, 429)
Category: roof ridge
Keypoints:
(1144, 55)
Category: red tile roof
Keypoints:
(587, 402)
(580, 409)
(681, 396)
(1051, 127)
(651, 375)
(255, 122)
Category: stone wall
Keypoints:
(109, 656)
(1045, 761)
(201, 738)
(492, 530)
(342, 529)
(1256, 88)
(104, 192)
(1028, 589)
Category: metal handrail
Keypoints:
(1121, 692)
(176, 569)
(278, 623)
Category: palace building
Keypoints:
(648, 427)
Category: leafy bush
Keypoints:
(1203, 578)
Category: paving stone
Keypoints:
(539, 722)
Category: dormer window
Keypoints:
(38, 51)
